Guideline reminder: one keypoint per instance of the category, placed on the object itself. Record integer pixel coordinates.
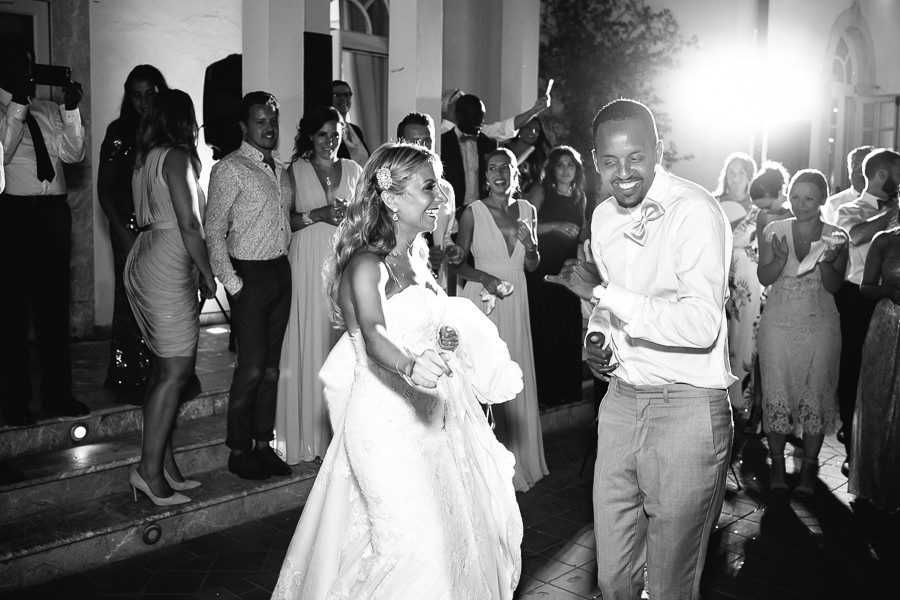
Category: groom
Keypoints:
(661, 246)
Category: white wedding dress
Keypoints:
(414, 498)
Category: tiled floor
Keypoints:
(764, 547)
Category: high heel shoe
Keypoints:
(180, 486)
(777, 482)
(809, 471)
(137, 483)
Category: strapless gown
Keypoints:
(414, 498)
(875, 462)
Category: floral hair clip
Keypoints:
(383, 178)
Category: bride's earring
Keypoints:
(394, 217)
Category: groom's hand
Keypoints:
(578, 276)
(598, 357)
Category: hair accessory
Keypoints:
(383, 178)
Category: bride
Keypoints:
(414, 498)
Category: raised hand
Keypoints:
(526, 234)
(578, 276)
(780, 247)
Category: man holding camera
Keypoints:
(38, 136)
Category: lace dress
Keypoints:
(799, 347)
(414, 498)
(875, 463)
(743, 310)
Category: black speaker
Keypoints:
(316, 70)
(221, 97)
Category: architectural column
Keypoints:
(520, 37)
(273, 54)
(414, 60)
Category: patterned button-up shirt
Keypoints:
(247, 215)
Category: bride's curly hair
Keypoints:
(367, 224)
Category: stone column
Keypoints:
(414, 60)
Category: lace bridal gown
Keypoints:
(414, 498)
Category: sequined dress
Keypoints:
(875, 462)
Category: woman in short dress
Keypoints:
(161, 279)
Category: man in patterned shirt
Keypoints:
(247, 232)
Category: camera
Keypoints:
(51, 75)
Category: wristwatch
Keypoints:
(306, 219)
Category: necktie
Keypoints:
(650, 211)
(45, 170)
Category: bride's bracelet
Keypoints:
(406, 373)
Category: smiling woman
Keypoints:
(322, 183)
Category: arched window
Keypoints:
(360, 32)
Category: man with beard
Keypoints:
(662, 249)
(247, 232)
(874, 211)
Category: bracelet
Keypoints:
(532, 251)
(306, 219)
(406, 373)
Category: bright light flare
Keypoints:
(744, 91)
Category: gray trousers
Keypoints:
(659, 482)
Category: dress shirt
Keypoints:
(663, 310)
(853, 213)
(468, 147)
(247, 213)
(501, 131)
(835, 201)
(63, 134)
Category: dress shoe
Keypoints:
(137, 483)
(180, 486)
(68, 408)
(267, 457)
(845, 468)
(245, 466)
(19, 416)
(842, 435)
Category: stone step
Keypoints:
(86, 471)
(105, 422)
(67, 537)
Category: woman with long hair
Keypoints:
(129, 362)
(161, 279)
(322, 185)
(555, 313)
(745, 296)
(414, 498)
(804, 260)
(500, 232)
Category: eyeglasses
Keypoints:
(342, 94)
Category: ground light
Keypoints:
(78, 432)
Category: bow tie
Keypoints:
(468, 137)
(650, 211)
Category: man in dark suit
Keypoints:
(353, 143)
(463, 149)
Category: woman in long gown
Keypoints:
(129, 359)
(161, 279)
(414, 498)
(875, 464)
(555, 313)
(745, 291)
(500, 232)
(804, 260)
(322, 184)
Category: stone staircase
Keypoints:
(75, 509)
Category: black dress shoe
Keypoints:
(246, 467)
(267, 457)
(842, 435)
(68, 408)
(19, 416)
